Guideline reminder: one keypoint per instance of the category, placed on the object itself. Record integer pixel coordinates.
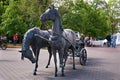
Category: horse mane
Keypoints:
(57, 14)
(30, 31)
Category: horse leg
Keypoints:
(55, 62)
(65, 57)
(61, 53)
(37, 57)
(73, 58)
(50, 55)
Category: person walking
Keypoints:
(114, 37)
(15, 38)
(108, 37)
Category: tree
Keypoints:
(101, 20)
(113, 14)
(31, 11)
(85, 18)
(21, 15)
(1, 11)
(11, 21)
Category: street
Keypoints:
(102, 64)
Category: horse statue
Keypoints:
(36, 44)
(61, 40)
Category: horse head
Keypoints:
(53, 14)
(49, 14)
(26, 52)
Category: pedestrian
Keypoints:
(108, 37)
(114, 37)
(15, 38)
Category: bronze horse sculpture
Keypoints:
(36, 44)
(60, 41)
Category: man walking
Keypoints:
(15, 38)
(108, 37)
(114, 37)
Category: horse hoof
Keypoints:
(61, 65)
(74, 68)
(62, 75)
(34, 74)
(46, 66)
(55, 75)
(34, 61)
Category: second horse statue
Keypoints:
(58, 41)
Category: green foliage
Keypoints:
(12, 22)
(21, 15)
(1, 11)
(113, 13)
(92, 19)
(85, 18)
(30, 12)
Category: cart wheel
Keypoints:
(83, 56)
(4, 46)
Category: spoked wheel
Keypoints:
(83, 56)
(4, 46)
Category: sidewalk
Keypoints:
(102, 64)
(13, 46)
(19, 46)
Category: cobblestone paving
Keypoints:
(102, 64)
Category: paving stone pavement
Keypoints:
(103, 64)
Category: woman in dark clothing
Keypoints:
(108, 37)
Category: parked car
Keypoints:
(99, 42)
